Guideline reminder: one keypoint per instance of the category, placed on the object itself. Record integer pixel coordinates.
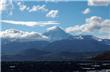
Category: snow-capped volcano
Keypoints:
(56, 33)
(17, 35)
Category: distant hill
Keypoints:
(77, 45)
(25, 55)
(11, 48)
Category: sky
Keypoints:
(74, 16)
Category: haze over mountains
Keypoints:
(55, 43)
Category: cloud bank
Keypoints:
(98, 2)
(30, 23)
(92, 25)
(14, 34)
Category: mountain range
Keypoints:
(54, 44)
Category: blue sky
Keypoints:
(68, 14)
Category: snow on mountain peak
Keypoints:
(54, 28)
(56, 33)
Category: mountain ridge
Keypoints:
(60, 45)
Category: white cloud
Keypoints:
(34, 8)
(52, 13)
(6, 5)
(92, 25)
(75, 28)
(98, 2)
(1, 5)
(14, 34)
(38, 8)
(86, 11)
(30, 23)
(22, 7)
